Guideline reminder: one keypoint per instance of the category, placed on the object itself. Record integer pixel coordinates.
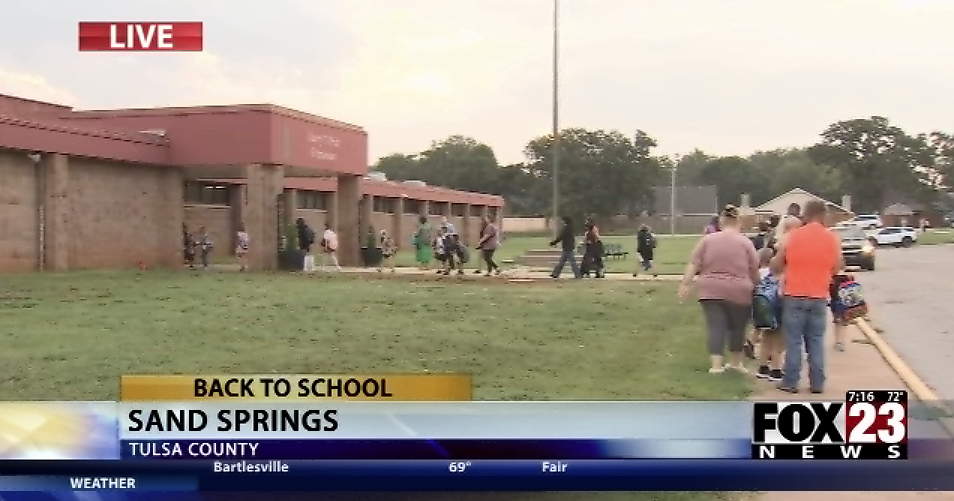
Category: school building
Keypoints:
(113, 188)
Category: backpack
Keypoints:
(463, 253)
(767, 304)
(652, 241)
(850, 303)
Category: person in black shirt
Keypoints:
(568, 244)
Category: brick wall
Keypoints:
(123, 214)
(19, 236)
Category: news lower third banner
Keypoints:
(316, 444)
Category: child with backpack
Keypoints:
(847, 303)
(767, 319)
(646, 248)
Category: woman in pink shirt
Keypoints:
(725, 269)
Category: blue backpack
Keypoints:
(767, 304)
(849, 302)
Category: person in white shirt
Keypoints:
(241, 247)
(329, 247)
(789, 222)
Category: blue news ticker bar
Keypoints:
(422, 449)
(490, 475)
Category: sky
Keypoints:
(726, 76)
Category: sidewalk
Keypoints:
(860, 367)
(513, 273)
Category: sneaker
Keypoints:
(497, 271)
(460, 272)
(787, 389)
(476, 272)
(840, 346)
(818, 391)
(635, 274)
(764, 372)
(776, 375)
(716, 370)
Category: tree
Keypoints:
(787, 169)
(400, 167)
(458, 162)
(942, 145)
(877, 160)
(733, 177)
(602, 173)
(689, 169)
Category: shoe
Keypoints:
(776, 375)
(476, 272)
(460, 272)
(737, 368)
(716, 370)
(764, 372)
(635, 274)
(840, 346)
(787, 389)
(817, 391)
(487, 274)
(497, 271)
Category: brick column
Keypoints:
(169, 244)
(264, 184)
(366, 217)
(346, 219)
(467, 226)
(238, 203)
(56, 212)
(397, 226)
(290, 212)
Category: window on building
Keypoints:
(384, 204)
(317, 200)
(201, 193)
(412, 206)
(458, 209)
(436, 208)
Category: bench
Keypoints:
(609, 250)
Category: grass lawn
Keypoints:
(937, 236)
(69, 336)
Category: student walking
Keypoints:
(306, 239)
(767, 318)
(725, 269)
(241, 247)
(329, 247)
(388, 251)
(489, 240)
(646, 248)
(188, 247)
(423, 244)
(567, 240)
(592, 250)
(205, 247)
(809, 256)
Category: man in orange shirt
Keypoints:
(809, 257)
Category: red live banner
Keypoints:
(140, 36)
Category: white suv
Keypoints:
(865, 221)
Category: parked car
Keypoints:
(898, 236)
(864, 221)
(857, 247)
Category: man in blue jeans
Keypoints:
(568, 244)
(809, 257)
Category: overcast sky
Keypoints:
(726, 76)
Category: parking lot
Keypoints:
(911, 296)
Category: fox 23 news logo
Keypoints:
(867, 425)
